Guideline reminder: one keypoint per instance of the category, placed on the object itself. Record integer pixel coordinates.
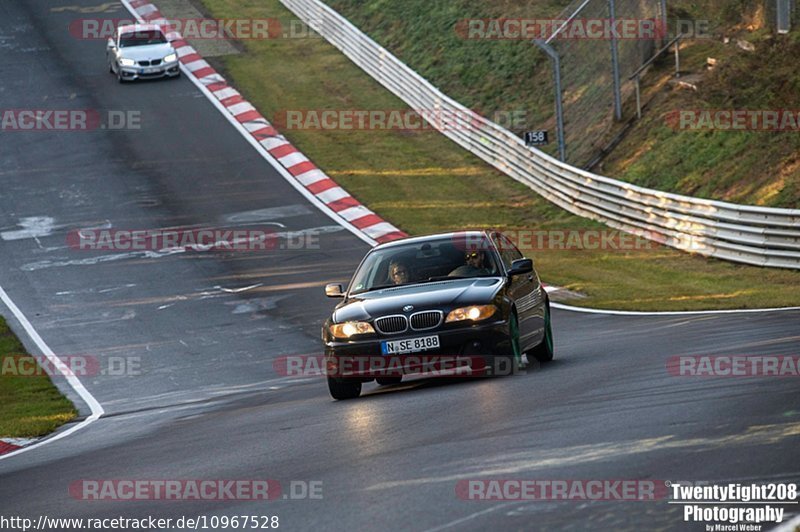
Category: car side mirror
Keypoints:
(334, 290)
(110, 44)
(520, 267)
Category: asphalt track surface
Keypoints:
(208, 404)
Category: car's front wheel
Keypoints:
(544, 351)
(507, 363)
(344, 389)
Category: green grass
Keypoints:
(489, 75)
(423, 183)
(31, 405)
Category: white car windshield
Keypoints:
(141, 38)
(432, 260)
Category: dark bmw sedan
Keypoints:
(449, 297)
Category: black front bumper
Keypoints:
(363, 359)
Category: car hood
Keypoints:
(146, 53)
(443, 295)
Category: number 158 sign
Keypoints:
(536, 138)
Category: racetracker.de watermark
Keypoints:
(562, 29)
(194, 490)
(734, 366)
(780, 120)
(541, 240)
(194, 239)
(560, 490)
(70, 366)
(246, 29)
(23, 120)
(448, 366)
(392, 119)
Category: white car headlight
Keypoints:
(170, 58)
(124, 61)
(475, 313)
(350, 328)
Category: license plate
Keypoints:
(147, 70)
(409, 345)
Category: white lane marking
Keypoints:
(570, 308)
(94, 406)
(32, 227)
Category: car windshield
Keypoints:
(141, 38)
(421, 262)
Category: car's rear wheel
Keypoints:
(388, 381)
(344, 389)
(544, 351)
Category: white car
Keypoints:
(141, 51)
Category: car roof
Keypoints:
(427, 238)
(131, 28)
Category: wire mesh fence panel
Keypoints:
(584, 44)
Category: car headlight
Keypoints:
(350, 328)
(170, 58)
(124, 61)
(473, 313)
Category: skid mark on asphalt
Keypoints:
(89, 319)
(32, 227)
(272, 213)
(526, 461)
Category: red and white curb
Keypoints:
(9, 445)
(349, 211)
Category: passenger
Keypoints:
(399, 272)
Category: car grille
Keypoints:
(392, 324)
(426, 320)
(154, 62)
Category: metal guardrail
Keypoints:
(742, 233)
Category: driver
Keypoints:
(474, 265)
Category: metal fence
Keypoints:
(595, 73)
(748, 234)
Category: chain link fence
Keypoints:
(587, 68)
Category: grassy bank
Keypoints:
(489, 75)
(31, 405)
(423, 183)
